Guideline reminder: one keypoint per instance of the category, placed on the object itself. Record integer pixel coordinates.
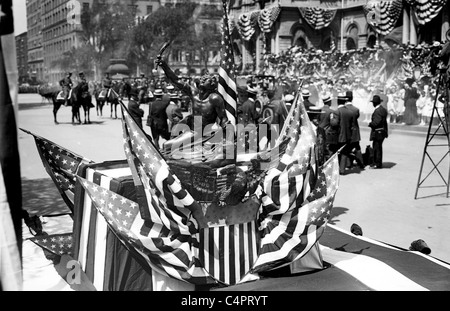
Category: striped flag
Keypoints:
(267, 18)
(109, 263)
(62, 166)
(168, 235)
(227, 79)
(228, 252)
(359, 263)
(426, 10)
(382, 16)
(317, 17)
(10, 176)
(297, 198)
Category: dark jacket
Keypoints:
(379, 123)
(107, 82)
(356, 134)
(346, 121)
(135, 111)
(329, 121)
(247, 113)
(157, 115)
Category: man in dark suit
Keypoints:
(329, 122)
(355, 148)
(346, 122)
(133, 106)
(379, 131)
(157, 116)
(247, 111)
(306, 94)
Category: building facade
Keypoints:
(53, 27)
(22, 57)
(273, 26)
(35, 42)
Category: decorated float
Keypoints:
(213, 215)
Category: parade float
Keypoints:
(217, 214)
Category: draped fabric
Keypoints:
(317, 18)
(247, 23)
(267, 17)
(426, 10)
(383, 15)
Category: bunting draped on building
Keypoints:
(383, 15)
(318, 18)
(426, 10)
(247, 23)
(267, 17)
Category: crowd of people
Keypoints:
(339, 90)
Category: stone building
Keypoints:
(272, 26)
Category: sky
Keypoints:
(20, 16)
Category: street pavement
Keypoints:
(382, 202)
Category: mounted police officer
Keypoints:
(66, 85)
(107, 84)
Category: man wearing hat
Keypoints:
(314, 114)
(173, 111)
(305, 95)
(346, 121)
(247, 111)
(107, 84)
(329, 122)
(288, 100)
(379, 131)
(66, 84)
(133, 106)
(157, 116)
(83, 90)
(356, 153)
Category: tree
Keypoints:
(173, 24)
(106, 29)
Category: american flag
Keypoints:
(297, 198)
(62, 166)
(10, 179)
(168, 234)
(58, 244)
(227, 79)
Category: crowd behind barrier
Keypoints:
(405, 76)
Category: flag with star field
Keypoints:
(161, 226)
(297, 197)
(62, 166)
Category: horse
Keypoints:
(57, 99)
(103, 96)
(85, 101)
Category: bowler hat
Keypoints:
(349, 95)
(376, 99)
